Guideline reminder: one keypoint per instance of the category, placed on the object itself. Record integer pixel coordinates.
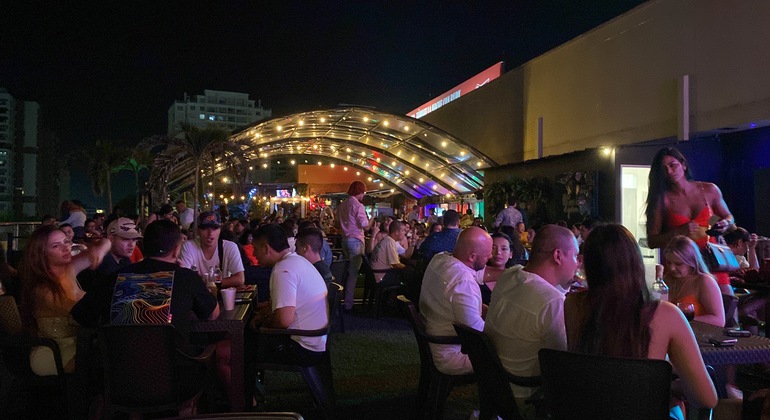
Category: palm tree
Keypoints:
(102, 159)
(185, 156)
(138, 160)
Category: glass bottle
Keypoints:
(659, 287)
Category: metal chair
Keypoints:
(433, 387)
(495, 395)
(582, 386)
(24, 385)
(144, 372)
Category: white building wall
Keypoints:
(229, 110)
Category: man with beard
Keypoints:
(450, 294)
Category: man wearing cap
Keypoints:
(208, 252)
(123, 235)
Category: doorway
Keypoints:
(633, 197)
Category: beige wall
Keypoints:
(617, 84)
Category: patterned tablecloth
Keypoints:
(747, 350)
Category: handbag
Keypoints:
(720, 258)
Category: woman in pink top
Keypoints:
(353, 221)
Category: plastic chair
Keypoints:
(335, 306)
(339, 269)
(582, 386)
(15, 347)
(433, 387)
(318, 377)
(495, 395)
(374, 292)
(144, 373)
(731, 307)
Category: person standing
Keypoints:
(186, 214)
(678, 205)
(509, 216)
(353, 221)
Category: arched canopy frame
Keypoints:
(411, 155)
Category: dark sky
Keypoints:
(110, 70)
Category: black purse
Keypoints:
(720, 258)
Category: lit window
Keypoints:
(211, 118)
(202, 116)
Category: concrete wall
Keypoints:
(619, 83)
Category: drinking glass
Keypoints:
(688, 309)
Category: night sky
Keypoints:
(112, 69)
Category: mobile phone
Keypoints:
(736, 332)
(242, 300)
(725, 342)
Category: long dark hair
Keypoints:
(659, 179)
(510, 262)
(620, 304)
(36, 274)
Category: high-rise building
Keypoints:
(18, 155)
(229, 110)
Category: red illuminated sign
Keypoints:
(469, 85)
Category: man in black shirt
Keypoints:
(124, 236)
(162, 242)
(308, 245)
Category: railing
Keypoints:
(16, 234)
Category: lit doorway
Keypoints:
(633, 197)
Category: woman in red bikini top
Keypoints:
(677, 205)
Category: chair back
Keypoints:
(495, 395)
(582, 386)
(418, 327)
(339, 269)
(139, 367)
(333, 298)
(10, 320)
(731, 306)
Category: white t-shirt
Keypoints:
(295, 282)
(526, 314)
(192, 255)
(450, 294)
(384, 255)
(186, 218)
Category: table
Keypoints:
(747, 350)
(232, 323)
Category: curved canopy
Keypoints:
(408, 154)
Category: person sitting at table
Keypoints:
(50, 289)
(502, 258)
(388, 252)
(162, 245)
(209, 251)
(526, 311)
(689, 281)
(326, 250)
(744, 246)
(617, 317)
(309, 245)
(297, 301)
(444, 240)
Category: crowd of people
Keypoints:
(579, 288)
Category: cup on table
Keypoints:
(228, 298)
(688, 309)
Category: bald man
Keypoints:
(527, 309)
(450, 294)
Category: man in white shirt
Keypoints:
(526, 313)
(186, 215)
(208, 252)
(450, 294)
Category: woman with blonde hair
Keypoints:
(690, 282)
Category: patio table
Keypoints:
(231, 323)
(747, 350)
